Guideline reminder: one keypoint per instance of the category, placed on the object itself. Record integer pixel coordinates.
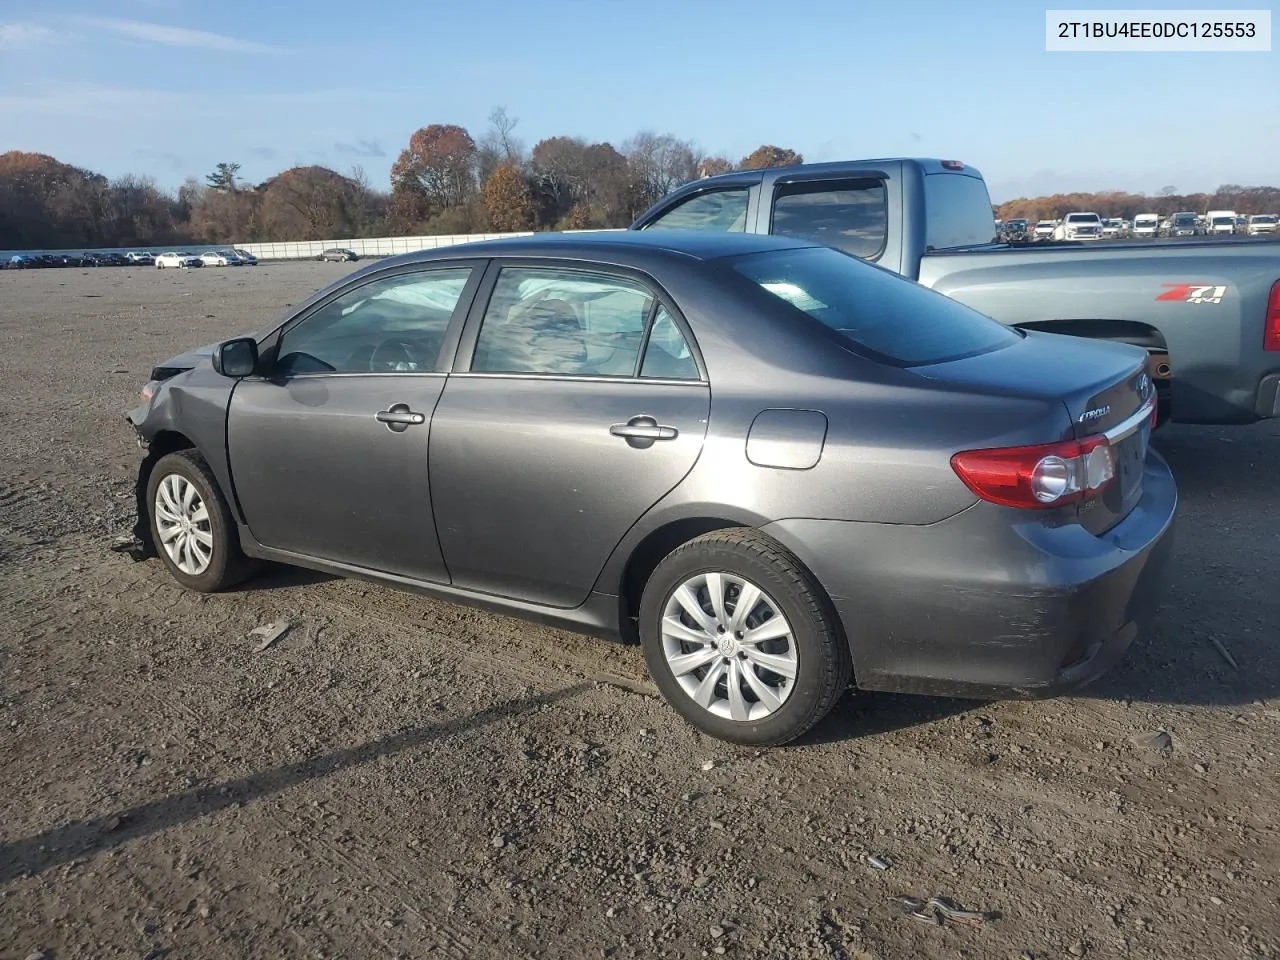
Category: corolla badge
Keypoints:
(1094, 414)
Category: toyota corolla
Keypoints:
(783, 470)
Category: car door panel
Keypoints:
(317, 473)
(532, 490)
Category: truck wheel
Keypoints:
(191, 524)
(741, 639)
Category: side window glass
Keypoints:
(667, 354)
(393, 325)
(724, 210)
(850, 215)
(542, 320)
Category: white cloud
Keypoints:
(167, 36)
(15, 35)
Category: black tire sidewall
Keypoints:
(814, 639)
(221, 571)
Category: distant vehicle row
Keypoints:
(211, 258)
(219, 258)
(1086, 225)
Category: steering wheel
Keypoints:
(393, 355)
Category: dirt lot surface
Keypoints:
(397, 777)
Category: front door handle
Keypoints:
(641, 432)
(399, 417)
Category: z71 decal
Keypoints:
(1192, 293)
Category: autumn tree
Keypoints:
(309, 203)
(714, 166)
(440, 162)
(507, 200)
(768, 155)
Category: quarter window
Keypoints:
(723, 210)
(668, 355)
(850, 215)
(393, 325)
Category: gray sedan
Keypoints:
(778, 467)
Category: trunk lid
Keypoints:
(1103, 386)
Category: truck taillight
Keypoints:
(1271, 334)
(1038, 477)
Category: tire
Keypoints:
(216, 560)
(813, 647)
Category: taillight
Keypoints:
(1041, 476)
(1271, 335)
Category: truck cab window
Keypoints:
(850, 215)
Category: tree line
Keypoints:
(1243, 200)
(443, 182)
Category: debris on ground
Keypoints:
(708, 765)
(270, 633)
(1158, 740)
(880, 863)
(1226, 654)
(938, 910)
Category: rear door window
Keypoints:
(850, 215)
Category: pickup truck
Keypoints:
(1208, 313)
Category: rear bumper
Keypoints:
(1268, 403)
(986, 604)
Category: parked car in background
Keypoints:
(21, 261)
(1113, 228)
(1261, 224)
(1242, 224)
(690, 412)
(1017, 230)
(1207, 313)
(215, 258)
(1222, 223)
(1184, 224)
(246, 258)
(1146, 225)
(1079, 226)
(1044, 229)
(338, 255)
(178, 260)
(140, 259)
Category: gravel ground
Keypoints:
(397, 777)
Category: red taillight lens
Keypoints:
(1038, 477)
(1271, 335)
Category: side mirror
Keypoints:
(236, 358)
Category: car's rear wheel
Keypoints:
(741, 639)
(191, 524)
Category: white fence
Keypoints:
(307, 249)
(370, 247)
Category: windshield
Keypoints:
(1263, 219)
(1229, 221)
(1183, 219)
(1082, 218)
(884, 315)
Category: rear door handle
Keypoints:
(641, 432)
(399, 417)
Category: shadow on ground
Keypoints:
(60, 845)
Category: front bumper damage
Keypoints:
(136, 543)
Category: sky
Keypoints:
(169, 88)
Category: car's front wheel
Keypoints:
(741, 639)
(191, 524)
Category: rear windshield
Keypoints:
(957, 211)
(882, 314)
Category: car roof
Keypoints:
(609, 245)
